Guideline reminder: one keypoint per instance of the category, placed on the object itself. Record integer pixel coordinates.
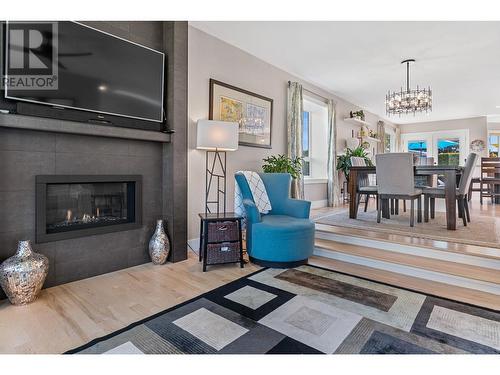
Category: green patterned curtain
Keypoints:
(381, 137)
(399, 146)
(294, 128)
(333, 188)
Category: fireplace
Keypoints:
(75, 206)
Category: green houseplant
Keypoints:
(344, 161)
(283, 164)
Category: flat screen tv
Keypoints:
(96, 71)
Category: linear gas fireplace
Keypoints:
(76, 206)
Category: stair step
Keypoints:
(436, 265)
(452, 247)
(472, 296)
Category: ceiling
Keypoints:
(360, 61)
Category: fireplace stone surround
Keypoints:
(32, 146)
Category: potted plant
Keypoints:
(344, 161)
(283, 164)
(358, 114)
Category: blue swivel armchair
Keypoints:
(285, 236)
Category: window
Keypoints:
(306, 143)
(447, 147)
(494, 144)
(418, 147)
(448, 150)
(314, 139)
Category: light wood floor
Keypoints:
(476, 209)
(70, 315)
(67, 316)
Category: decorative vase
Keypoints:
(22, 275)
(159, 245)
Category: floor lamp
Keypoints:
(216, 137)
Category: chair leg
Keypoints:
(481, 193)
(379, 209)
(426, 208)
(460, 201)
(377, 200)
(433, 208)
(412, 212)
(466, 206)
(419, 209)
(404, 205)
(392, 206)
(396, 207)
(366, 201)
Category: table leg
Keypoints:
(385, 209)
(353, 183)
(450, 198)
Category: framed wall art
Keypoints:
(253, 112)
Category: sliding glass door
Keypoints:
(449, 147)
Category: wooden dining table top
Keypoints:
(419, 169)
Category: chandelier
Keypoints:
(408, 101)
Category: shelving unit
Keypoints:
(369, 139)
(356, 121)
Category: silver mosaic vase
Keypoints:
(22, 275)
(159, 245)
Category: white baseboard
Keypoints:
(194, 244)
(319, 204)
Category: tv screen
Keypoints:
(93, 71)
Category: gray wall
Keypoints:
(27, 153)
(210, 57)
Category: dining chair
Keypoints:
(490, 177)
(462, 191)
(364, 187)
(420, 181)
(396, 180)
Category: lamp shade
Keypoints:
(217, 135)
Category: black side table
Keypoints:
(221, 241)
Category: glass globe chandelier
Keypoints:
(408, 101)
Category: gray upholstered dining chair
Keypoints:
(364, 187)
(396, 180)
(463, 189)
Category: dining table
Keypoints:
(451, 176)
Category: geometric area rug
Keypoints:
(308, 310)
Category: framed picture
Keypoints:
(253, 112)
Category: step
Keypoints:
(415, 242)
(407, 268)
(490, 275)
(471, 296)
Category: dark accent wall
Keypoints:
(175, 153)
(27, 153)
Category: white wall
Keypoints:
(210, 57)
(477, 127)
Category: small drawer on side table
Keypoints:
(225, 252)
(219, 231)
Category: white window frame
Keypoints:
(392, 135)
(316, 162)
(308, 158)
(496, 133)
